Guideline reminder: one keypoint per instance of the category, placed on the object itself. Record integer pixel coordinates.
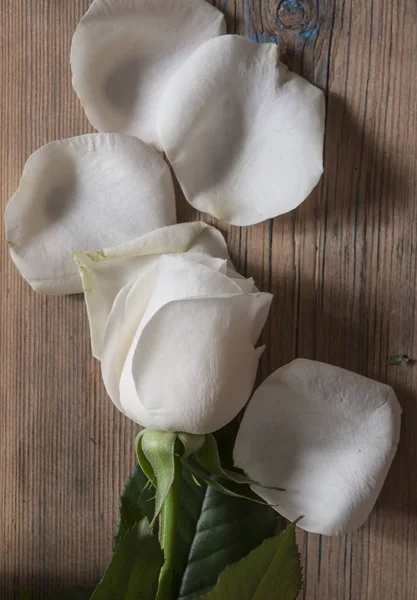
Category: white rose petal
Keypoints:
(179, 278)
(124, 52)
(106, 272)
(194, 364)
(125, 317)
(213, 243)
(84, 193)
(243, 134)
(326, 435)
(246, 285)
(202, 259)
(130, 306)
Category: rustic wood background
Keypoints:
(342, 268)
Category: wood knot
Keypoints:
(291, 13)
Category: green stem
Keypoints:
(168, 529)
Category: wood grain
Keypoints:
(342, 268)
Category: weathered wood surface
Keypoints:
(342, 268)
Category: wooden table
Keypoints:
(342, 268)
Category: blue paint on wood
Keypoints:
(240, 248)
(345, 554)
(356, 235)
(271, 39)
(246, 253)
(292, 5)
(320, 555)
(259, 37)
(270, 263)
(310, 34)
(306, 30)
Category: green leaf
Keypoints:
(208, 458)
(134, 570)
(270, 571)
(229, 487)
(144, 463)
(136, 502)
(191, 442)
(76, 593)
(214, 530)
(159, 449)
(24, 595)
(399, 359)
(225, 438)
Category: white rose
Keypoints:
(175, 328)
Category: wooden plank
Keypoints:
(342, 269)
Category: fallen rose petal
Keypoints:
(326, 435)
(84, 193)
(243, 133)
(106, 272)
(124, 52)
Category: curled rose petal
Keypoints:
(106, 272)
(125, 317)
(133, 302)
(243, 133)
(197, 378)
(179, 278)
(326, 435)
(124, 52)
(84, 193)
